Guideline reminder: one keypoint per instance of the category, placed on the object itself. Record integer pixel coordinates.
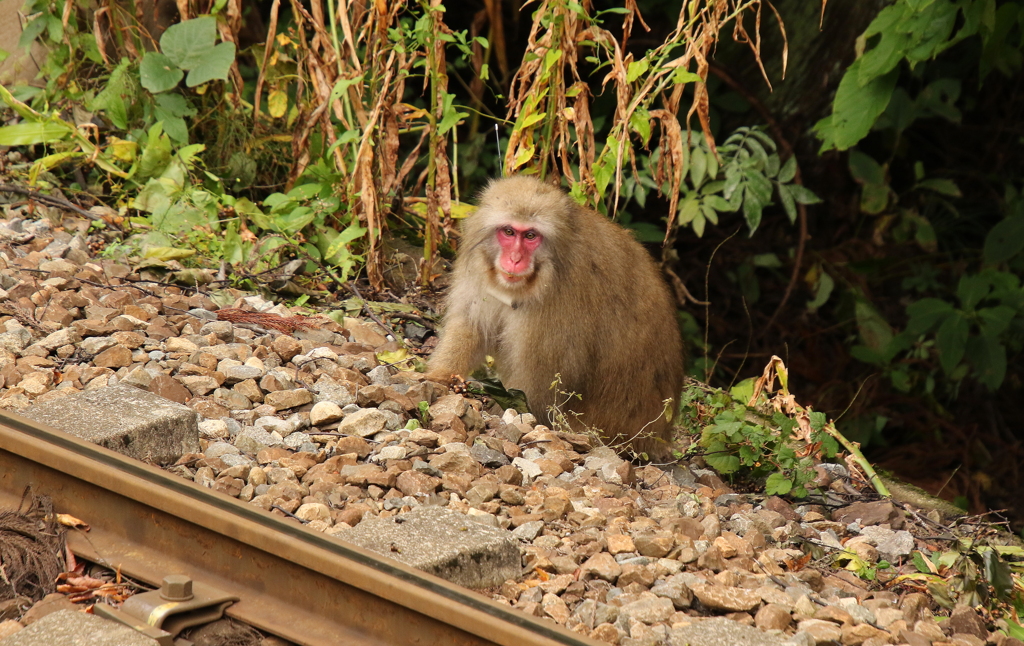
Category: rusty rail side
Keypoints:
(301, 585)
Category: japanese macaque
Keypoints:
(547, 287)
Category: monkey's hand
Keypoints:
(443, 377)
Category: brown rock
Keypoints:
(619, 543)
(966, 620)
(857, 635)
(283, 399)
(870, 513)
(601, 566)
(655, 544)
(50, 603)
(773, 617)
(712, 560)
(412, 482)
(823, 632)
(286, 347)
(115, 357)
(353, 444)
(169, 388)
(727, 599)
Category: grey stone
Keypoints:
(253, 440)
(72, 628)
(444, 543)
(122, 418)
(528, 531)
(721, 632)
(488, 457)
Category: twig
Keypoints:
(58, 202)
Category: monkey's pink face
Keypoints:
(518, 243)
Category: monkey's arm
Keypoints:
(460, 351)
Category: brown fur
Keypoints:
(596, 311)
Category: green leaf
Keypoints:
(188, 43)
(951, 341)
(825, 286)
(1005, 240)
(988, 356)
(641, 124)
(788, 203)
(215, 65)
(874, 329)
(855, 108)
(636, 69)
(925, 314)
(682, 75)
(788, 170)
(753, 206)
(158, 73)
(698, 166)
(972, 289)
(27, 133)
(865, 169)
(995, 320)
(778, 484)
(688, 210)
(942, 186)
(722, 463)
(804, 195)
(155, 155)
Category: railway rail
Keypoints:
(292, 582)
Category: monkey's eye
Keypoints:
(509, 231)
(530, 235)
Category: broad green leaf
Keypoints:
(188, 43)
(28, 133)
(988, 356)
(155, 155)
(720, 460)
(778, 484)
(215, 65)
(874, 329)
(788, 170)
(995, 320)
(344, 238)
(294, 220)
(788, 203)
(682, 75)
(641, 123)
(804, 195)
(925, 314)
(688, 210)
(942, 186)
(158, 73)
(698, 166)
(753, 206)
(532, 119)
(951, 341)
(972, 289)
(636, 69)
(167, 253)
(855, 109)
(698, 224)
(865, 169)
(1005, 240)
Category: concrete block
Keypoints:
(444, 543)
(74, 628)
(134, 422)
(718, 632)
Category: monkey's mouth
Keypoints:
(511, 278)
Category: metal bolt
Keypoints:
(176, 587)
